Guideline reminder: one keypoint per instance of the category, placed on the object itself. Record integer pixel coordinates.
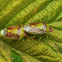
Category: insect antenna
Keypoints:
(55, 26)
(35, 10)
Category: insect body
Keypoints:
(18, 32)
(37, 28)
(15, 32)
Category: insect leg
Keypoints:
(29, 37)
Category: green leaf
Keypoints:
(5, 52)
(43, 48)
(16, 58)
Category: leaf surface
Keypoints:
(41, 49)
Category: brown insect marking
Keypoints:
(12, 27)
(10, 35)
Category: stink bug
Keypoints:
(13, 32)
(37, 28)
(18, 32)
